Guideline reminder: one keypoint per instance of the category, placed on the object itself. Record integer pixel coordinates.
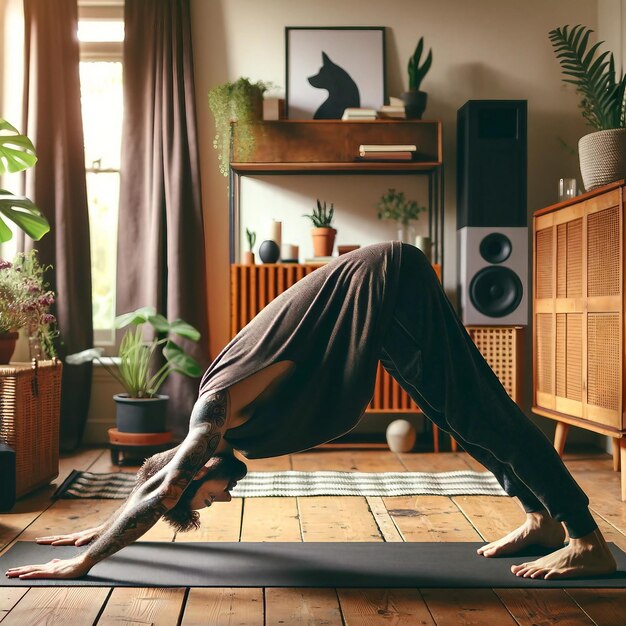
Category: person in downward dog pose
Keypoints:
(302, 373)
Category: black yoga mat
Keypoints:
(158, 564)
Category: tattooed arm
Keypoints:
(151, 500)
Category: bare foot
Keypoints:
(585, 556)
(539, 529)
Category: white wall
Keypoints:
(482, 49)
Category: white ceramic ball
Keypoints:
(401, 436)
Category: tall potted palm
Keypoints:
(602, 153)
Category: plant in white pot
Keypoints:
(602, 153)
(142, 409)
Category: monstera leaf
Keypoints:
(17, 153)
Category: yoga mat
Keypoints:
(160, 564)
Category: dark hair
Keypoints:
(182, 517)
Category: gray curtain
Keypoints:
(161, 241)
(52, 120)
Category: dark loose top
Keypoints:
(331, 325)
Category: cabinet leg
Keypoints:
(616, 454)
(622, 444)
(560, 436)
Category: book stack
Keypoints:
(392, 111)
(358, 114)
(387, 152)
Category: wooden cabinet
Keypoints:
(578, 316)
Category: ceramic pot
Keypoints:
(602, 157)
(248, 258)
(323, 241)
(7, 346)
(269, 251)
(414, 103)
(140, 415)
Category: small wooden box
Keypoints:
(30, 400)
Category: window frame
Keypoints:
(93, 51)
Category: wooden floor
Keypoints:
(422, 518)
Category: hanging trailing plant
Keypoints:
(235, 107)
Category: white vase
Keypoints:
(406, 232)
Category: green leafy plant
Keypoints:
(17, 153)
(251, 237)
(393, 205)
(603, 104)
(235, 107)
(321, 216)
(136, 369)
(417, 72)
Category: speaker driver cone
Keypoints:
(496, 291)
(496, 248)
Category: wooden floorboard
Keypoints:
(416, 518)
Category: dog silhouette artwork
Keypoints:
(342, 90)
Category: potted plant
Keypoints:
(142, 409)
(602, 153)
(323, 233)
(394, 205)
(17, 153)
(248, 256)
(414, 99)
(236, 107)
(25, 303)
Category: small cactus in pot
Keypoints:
(248, 256)
(323, 233)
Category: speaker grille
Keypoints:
(544, 352)
(603, 270)
(499, 348)
(603, 346)
(569, 269)
(543, 252)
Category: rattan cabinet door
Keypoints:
(578, 310)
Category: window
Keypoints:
(101, 33)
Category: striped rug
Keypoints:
(291, 483)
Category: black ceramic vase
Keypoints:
(269, 251)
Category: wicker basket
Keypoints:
(30, 399)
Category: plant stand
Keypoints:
(135, 447)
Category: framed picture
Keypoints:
(332, 68)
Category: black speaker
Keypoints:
(7, 477)
(491, 163)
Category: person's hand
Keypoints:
(57, 568)
(80, 538)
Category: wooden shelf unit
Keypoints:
(578, 315)
(305, 147)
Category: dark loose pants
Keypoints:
(428, 351)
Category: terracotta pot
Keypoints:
(7, 346)
(323, 241)
(602, 157)
(248, 258)
(140, 415)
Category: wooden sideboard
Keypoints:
(578, 317)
